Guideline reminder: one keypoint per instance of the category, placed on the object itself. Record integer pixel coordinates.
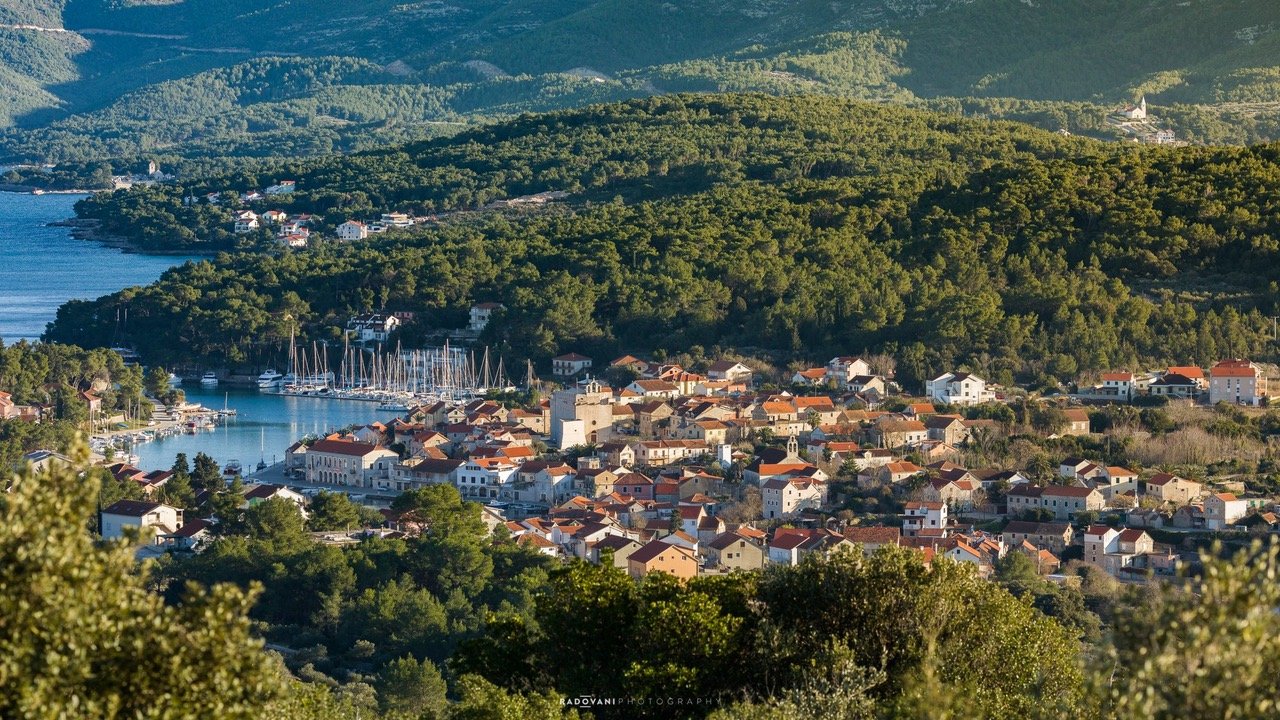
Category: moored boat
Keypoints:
(270, 379)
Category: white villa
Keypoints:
(958, 389)
(353, 230)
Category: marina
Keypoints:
(257, 427)
(189, 418)
(394, 379)
(251, 427)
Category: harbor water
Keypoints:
(264, 426)
(42, 267)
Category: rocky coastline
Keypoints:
(91, 230)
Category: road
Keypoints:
(274, 475)
(92, 31)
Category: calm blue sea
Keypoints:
(265, 425)
(42, 267)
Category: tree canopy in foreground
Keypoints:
(84, 634)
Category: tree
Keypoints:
(584, 602)
(157, 382)
(121, 651)
(178, 491)
(207, 475)
(450, 553)
(482, 700)
(508, 652)
(275, 520)
(836, 688)
(406, 685)
(441, 511)
(402, 617)
(1220, 637)
(916, 624)
(1157, 420)
(684, 644)
(180, 465)
(225, 505)
(749, 508)
(336, 511)
(1019, 574)
(70, 407)
(1048, 420)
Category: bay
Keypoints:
(264, 426)
(42, 267)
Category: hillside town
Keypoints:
(763, 360)
(704, 473)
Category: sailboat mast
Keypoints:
(293, 356)
(486, 382)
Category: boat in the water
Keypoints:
(262, 449)
(209, 379)
(270, 379)
(232, 469)
(325, 378)
(226, 411)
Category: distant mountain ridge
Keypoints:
(137, 76)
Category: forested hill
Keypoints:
(808, 225)
(213, 78)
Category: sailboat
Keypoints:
(262, 449)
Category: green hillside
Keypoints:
(207, 70)
(31, 12)
(808, 225)
(1176, 50)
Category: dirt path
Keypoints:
(125, 33)
(93, 31)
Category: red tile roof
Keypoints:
(1067, 491)
(1232, 371)
(1131, 535)
(873, 535)
(653, 550)
(343, 447)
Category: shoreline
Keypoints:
(89, 230)
(33, 190)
